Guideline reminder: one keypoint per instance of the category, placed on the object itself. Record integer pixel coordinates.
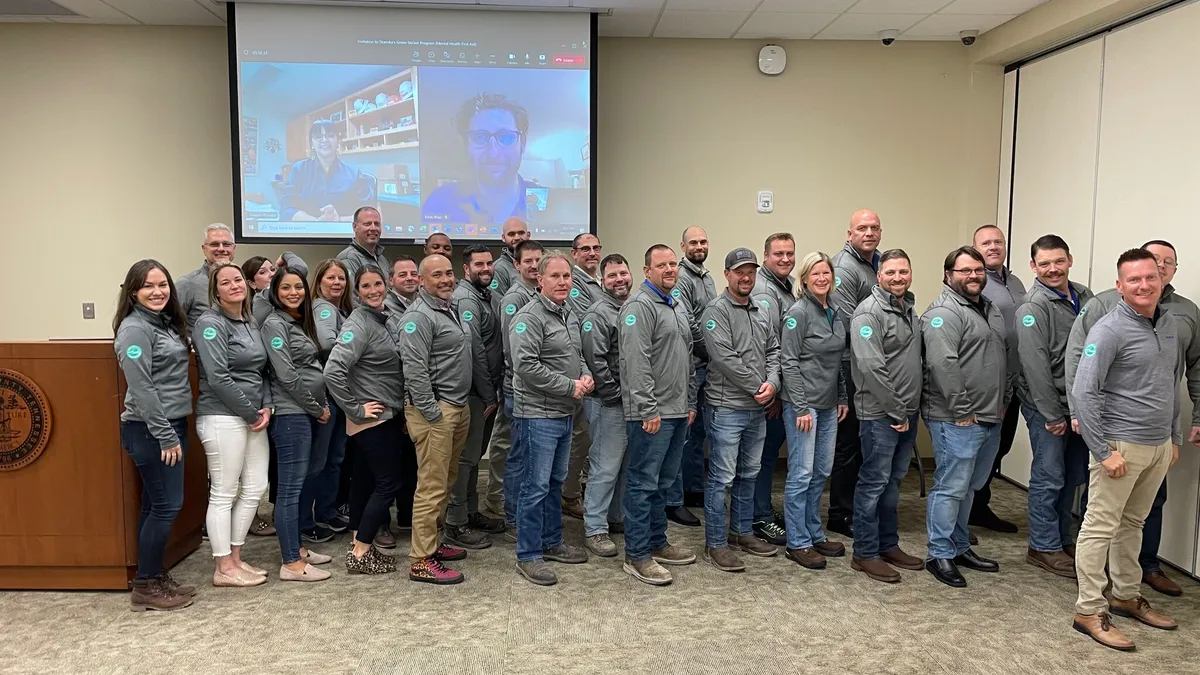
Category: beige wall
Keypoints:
(1052, 24)
(122, 143)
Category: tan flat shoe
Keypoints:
(252, 569)
(239, 579)
(314, 558)
(310, 573)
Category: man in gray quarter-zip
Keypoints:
(696, 289)
(513, 232)
(1005, 290)
(404, 282)
(465, 525)
(437, 358)
(504, 457)
(439, 243)
(364, 248)
(585, 290)
(606, 418)
(744, 360)
(1059, 454)
(854, 272)
(1128, 411)
(775, 292)
(218, 247)
(966, 389)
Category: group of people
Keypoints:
(594, 397)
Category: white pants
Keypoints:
(237, 476)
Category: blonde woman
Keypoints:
(232, 415)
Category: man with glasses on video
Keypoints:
(495, 132)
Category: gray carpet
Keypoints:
(774, 617)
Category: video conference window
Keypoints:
(445, 121)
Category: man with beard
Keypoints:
(854, 275)
(1060, 456)
(405, 283)
(659, 398)
(439, 243)
(585, 291)
(218, 247)
(775, 292)
(513, 232)
(465, 525)
(364, 248)
(963, 403)
(1006, 291)
(606, 419)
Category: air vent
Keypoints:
(34, 8)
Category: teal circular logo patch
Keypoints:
(765, 303)
(587, 326)
(348, 337)
(495, 284)
(209, 333)
(510, 310)
(325, 314)
(520, 327)
(1028, 320)
(467, 315)
(1083, 311)
(675, 293)
(574, 292)
(134, 352)
(410, 327)
(790, 323)
(630, 320)
(710, 324)
(936, 322)
(837, 282)
(1090, 350)
(276, 343)
(866, 331)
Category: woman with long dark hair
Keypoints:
(150, 332)
(298, 389)
(231, 419)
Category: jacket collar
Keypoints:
(784, 285)
(873, 263)
(698, 270)
(365, 252)
(552, 307)
(729, 298)
(484, 293)
(433, 301)
(892, 303)
(155, 318)
(579, 273)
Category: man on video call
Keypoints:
(495, 132)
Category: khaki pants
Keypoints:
(497, 452)
(438, 449)
(581, 444)
(1112, 525)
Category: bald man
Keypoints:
(854, 275)
(513, 232)
(439, 242)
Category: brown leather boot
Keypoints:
(752, 545)
(150, 594)
(898, 558)
(1140, 610)
(875, 568)
(1162, 583)
(808, 558)
(1099, 627)
(830, 549)
(1055, 562)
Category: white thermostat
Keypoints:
(772, 59)
(766, 201)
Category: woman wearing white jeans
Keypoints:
(231, 420)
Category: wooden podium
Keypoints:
(70, 515)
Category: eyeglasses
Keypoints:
(323, 135)
(588, 249)
(220, 244)
(971, 272)
(1167, 262)
(505, 138)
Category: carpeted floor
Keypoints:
(775, 617)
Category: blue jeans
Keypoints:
(325, 490)
(690, 477)
(964, 457)
(322, 436)
(513, 466)
(607, 464)
(763, 484)
(735, 441)
(546, 447)
(293, 436)
(162, 492)
(653, 467)
(1060, 465)
(886, 454)
(810, 459)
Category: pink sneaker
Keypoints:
(449, 553)
(432, 571)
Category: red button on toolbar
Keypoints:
(569, 59)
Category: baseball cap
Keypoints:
(740, 256)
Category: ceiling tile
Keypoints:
(806, 6)
(995, 7)
(627, 23)
(784, 26)
(713, 5)
(23, 19)
(898, 6)
(528, 3)
(948, 25)
(217, 8)
(166, 12)
(92, 8)
(643, 5)
(124, 21)
(865, 26)
(698, 24)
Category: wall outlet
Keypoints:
(766, 201)
(89, 310)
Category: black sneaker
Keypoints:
(317, 535)
(478, 521)
(338, 523)
(770, 532)
(779, 519)
(463, 536)
(344, 510)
